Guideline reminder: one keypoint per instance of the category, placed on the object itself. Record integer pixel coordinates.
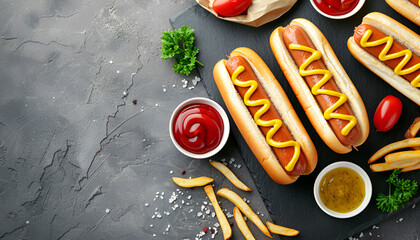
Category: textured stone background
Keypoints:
(80, 160)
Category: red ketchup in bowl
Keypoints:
(198, 128)
(336, 7)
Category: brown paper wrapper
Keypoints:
(259, 12)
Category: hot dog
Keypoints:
(391, 51)
(323, 88)
(408, 8)
(265, 116)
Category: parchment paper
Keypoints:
(259, 12)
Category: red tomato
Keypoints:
(230, 8)
(387, 113)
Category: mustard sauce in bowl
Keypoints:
(342, 189)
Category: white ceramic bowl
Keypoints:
(226, 127)
(366, 180)
(349, 14)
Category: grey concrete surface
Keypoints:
(79, 158)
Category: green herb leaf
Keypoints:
(386, 203)
(405, 189)
(179, 44)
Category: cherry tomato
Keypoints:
(387, 113)
(230, 8)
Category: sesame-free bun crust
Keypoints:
(407, 9)
(304, 94)
(400, 34)
(246, 124)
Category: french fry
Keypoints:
(413, 130)
(406, 143)
(240, 220)
(276, 229)
(245, 209)
(230, 175)
(411, 168)
(403, 155)
(226, 229)
(192, 182)
(380, 167)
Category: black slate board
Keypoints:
(294, 205)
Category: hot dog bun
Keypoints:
(407, 9)
(400, 34)
(246, 124)
(304, 94)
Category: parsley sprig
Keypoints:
(404, 190)
(179, 43)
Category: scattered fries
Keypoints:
(244, 207)
(380, 167)
(411, 168)
(403, 155)
(413, 130)
(412, 142)
(276, 229)
(192, 182)
(230, 175)
(240, 220)
(226, 229)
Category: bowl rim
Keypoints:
(347, 15)
(223, 115)
(357, 169)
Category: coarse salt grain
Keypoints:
(173, 197)
(195, 80)
(175, 207)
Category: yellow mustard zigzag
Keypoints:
(274, 123)
(383, 56)
(316, 89)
